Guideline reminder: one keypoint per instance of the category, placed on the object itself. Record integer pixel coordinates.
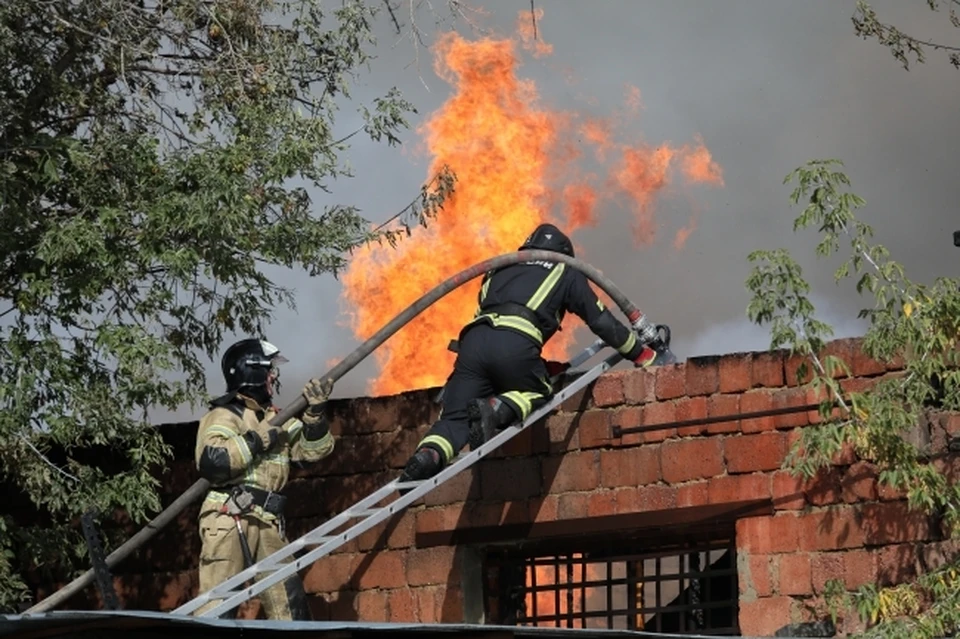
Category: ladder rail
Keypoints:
(370, 515)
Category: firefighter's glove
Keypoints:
(315, 424)
(646, 357)
(556, 368)
(262, 438)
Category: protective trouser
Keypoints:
(490, 362)
(221, 557)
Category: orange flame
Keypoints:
(508, 152)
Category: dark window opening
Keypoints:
(688, 585)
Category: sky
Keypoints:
(765, 85)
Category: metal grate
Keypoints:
(685, 587)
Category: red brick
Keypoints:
(756, 401)
(509, 479)
(793, 398)
(894, 522)
(429, 566)
(734, 488)
(722, 406)
(594, 427)
(544, 509)
(767, 369)
(331, 574)
(627, 500)
(795, 576)
(825, 567)
(382, 569)
(886, 492)
(573, 505)
(833, 529)
(765, 534)
(693, 494)
(898, 564)
(608, 390)
(736, 372)
(394, 533)
(702, 375)
(859, 568)
(765, 616)
(843, 349)
(627, 417)
(688, 408)
(451, 605)
(749, 453)
(659, 413)
(787, 491)
(562, 432)
(372, 605)
(791, 370)
(857, 384)
(571, 472)
(814, 397)
(629, 467)
(429, 603)
(462, 487)
(937, 554)
(859, 483)
(657, 497)
(578, 402)
(687, 459)
(639, 386)
(401, 606)
(760, 575)
(865, 366)
(438, 519)
(671, 381)
(600, 503)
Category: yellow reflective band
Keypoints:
(216, 499)
(296, 428)
(522, 400)
(446, 447)
(546, 287)
(323, 442)
(484, 289)
(629, 344)
(230, 435)
(600, 305)
(517, 323)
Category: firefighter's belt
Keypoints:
(271, 502)
(512, 308)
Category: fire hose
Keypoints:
(297, 406)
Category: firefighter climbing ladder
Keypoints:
(370, 513)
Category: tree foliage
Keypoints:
(903, 46)
(919, 323)
(155, 157)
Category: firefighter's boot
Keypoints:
(487, 416)
(424, 464)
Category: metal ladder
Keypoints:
(370, 513)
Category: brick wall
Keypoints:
(572, 468)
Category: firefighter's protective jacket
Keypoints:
(532, 298)
(223, 455)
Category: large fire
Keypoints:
(509, 153)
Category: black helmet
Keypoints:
(549, 238)
(248, 364)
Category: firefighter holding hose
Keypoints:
(499, 376)
(247, 462)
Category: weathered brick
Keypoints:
(814, 397)
(749, 453)
(767, 369)
(734, 488)
(401, 606)
(462, 487)
(787, 491)
(688, 408)
(859, 568)
(863, 365)
(897, 564)
(594, 427)
(825, 567)
(756, 401)
(833, 529)
(394, 533)
(671, 381)
(429, 566)
(544, 508)
(331, 574)
(695, 493)
(702, 375)
(608, 390)
(761, 574)
(429, 602)
(859, 483)
(767, 534)
(571, 472)
(936, 554)
(792, 367)
(629, 467)
(371, 606)
(579, 401)
(795, 576)
(562, 432)
(736, 370)
(843, 349)
(659, 413)
(382, 569)
(509, 479)
(687, 459)
(894, 522)
(763, 617)
(656, 497)
(600, 503)
(627, 417)
(438, 519)
(792, 398)
(573, 505)
(722, 406)
(639, 386)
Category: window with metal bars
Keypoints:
(687, 585)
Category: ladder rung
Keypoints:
(364, 512)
